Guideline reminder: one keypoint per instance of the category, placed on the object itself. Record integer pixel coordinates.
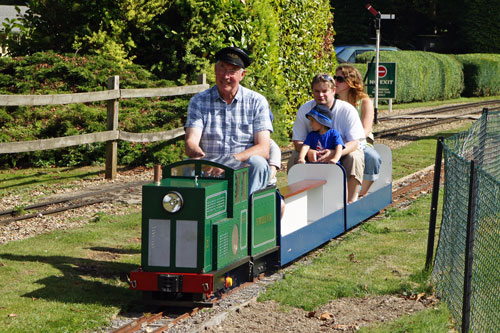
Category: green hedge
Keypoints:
(50, 73)
(290, 41)
(306, 48)
(421, 76)
(481, 74)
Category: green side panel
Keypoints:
(263, 227)
(241, 212)
(216, 204)
(227, 243)
(207, 260)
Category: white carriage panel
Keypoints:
(333, 192)
(315, 203)
(295, 216)
(186, 244)
(385, 176)
(159, 243)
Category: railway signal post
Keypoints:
(378, 17)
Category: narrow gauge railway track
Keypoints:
(411, 187)
(405, 190)
(434, 117)
(444, 109)
(164, 319)
(113, 193)
(90, 197)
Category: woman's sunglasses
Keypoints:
(339, 79)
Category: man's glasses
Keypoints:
(230, 72)
(339, 79)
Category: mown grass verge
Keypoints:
(69, 281)
(438, 103)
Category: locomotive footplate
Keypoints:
(265, 262)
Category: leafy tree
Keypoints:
(470, 26)
(103, 27)
(458, 26)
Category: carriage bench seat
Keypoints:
(299, 187)
(303, 201)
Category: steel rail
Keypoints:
(444, 109)
(425, 124)
(40, 206)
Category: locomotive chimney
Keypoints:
(157, 174)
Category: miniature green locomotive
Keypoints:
(200, 229)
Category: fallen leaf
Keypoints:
(419, 296)
(351, 258)
(311, 314)
(325, 316)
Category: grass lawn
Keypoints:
(382, 256)
(69, 280)
(74, 280)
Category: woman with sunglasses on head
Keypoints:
(350, 88)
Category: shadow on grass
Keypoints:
(82, 280)
(62, 175)
(406, 137)
(47, 177)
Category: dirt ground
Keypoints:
(342, 315)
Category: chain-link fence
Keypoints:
(473, 154)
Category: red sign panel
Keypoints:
(382, 71)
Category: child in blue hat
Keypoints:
(323, 136)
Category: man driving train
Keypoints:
(229, 119)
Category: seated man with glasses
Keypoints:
(229, 119)
(345, 120)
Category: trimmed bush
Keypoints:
(422, 76)
(289, 41)
(481, 74)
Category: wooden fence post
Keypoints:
(112, 125)
(202, 78)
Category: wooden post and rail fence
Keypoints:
(112, 134)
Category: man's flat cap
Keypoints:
(234, 55)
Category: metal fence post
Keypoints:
(469, 248)
(434, 202)
(482, 139)
(112, 125)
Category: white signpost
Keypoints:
(378, 17)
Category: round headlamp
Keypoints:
(173, 202)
